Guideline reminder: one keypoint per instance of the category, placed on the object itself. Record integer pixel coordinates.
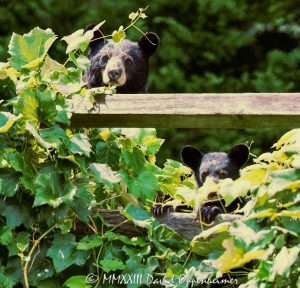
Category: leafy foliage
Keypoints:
(52, 176)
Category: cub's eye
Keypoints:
(128, 61)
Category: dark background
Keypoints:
(206, 46)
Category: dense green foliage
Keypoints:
(206, 46)
(53, 176)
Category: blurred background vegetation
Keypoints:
(206, 46)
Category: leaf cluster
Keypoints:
(52, 176)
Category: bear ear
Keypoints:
(191, 157)
(239, 154)
(98, 34)
(149, 43)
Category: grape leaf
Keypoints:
(5, 235)
(63, 252)
(108, 153)
(77, 281)
(9, 182)
(7, 120)
(50, 190)
(134, 160)
(104, 174)
(89, 242)
(79, 39)
(144, 185)
(29, 50)
(79, 144)
(117, 36)
(112, 265)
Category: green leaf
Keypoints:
(117, 36)
(5, 235)
(66, 226)
(89, 242)
(137, 213)
(22, 241)
(37, 106)
(134, 241)
(14, 216)
(104, 174)
(79, 144)
(29, 50)
(134, 160)
(30, 128)
(79, 39)
(5, 281)
(135, 266)
(63, 252)
(54, 135)
(77, 281)
(108, 153)
(144, 185)
(49, 188)
(9, 182)
(41, 268)
(22, 162)
(112, 265)
(139, 134)
(7, 120)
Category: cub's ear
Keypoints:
(149, 43)
(191, 157)
(239, 154)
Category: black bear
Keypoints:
(124, 64)
(217, 165)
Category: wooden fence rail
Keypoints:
(236, 110)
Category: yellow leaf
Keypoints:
(3, 68)
(262, 214)
(133, 15)
(7, 120)
(233, 257)
(219, 228)
(13, 74)
(292, 214)
(287, 138)
(296, 162)
(105, 134)
(254, 173)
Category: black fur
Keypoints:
(217, 165)
(132, 57)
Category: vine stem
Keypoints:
(35, 244)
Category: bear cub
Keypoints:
(124, 64)
(217, 165)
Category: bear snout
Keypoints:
(114, 74)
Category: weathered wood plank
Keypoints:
(245, 110)
(183, 223)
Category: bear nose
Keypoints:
(114, 74)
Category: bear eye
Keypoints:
(128, 61)
(104, 59)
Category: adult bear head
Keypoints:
(124, 64)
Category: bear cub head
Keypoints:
(217, 165)
(124, 64)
